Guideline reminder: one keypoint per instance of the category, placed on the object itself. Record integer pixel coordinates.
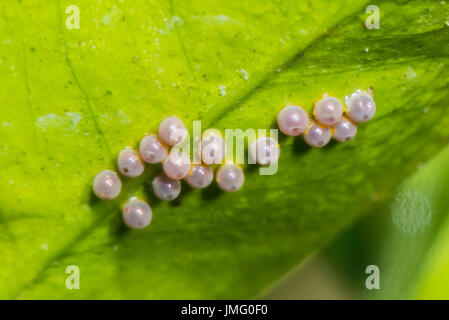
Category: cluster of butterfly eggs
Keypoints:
(331, 120)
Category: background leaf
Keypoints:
(71, 99)
(406, 239)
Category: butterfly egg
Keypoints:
(328, 110)
(107, 185)
(129, 163)
(265, 150)
(230, 177)
(317, 135)
(165, 188)
(293, 120)
(200, 177)
(213, 147)
(177, 165)
(344, 130)
(172, 131)
(137, 214)
(361, 107)
(152, 150)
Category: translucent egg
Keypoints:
(172, 131)
(165, 188)
(230, 177)
(129, 163)
(293, 120)
(152, 150)
(361, 107)
(317, 135)
(177, 165)
(107, 185)
(200, 177)
(137, 214)
(328, 110)
(344, 130)
(213, 147)
(265, 150)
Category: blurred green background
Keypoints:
(407, 239)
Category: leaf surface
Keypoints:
(70, 100)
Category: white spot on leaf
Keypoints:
(67, 122)
(411, 211)
(222, 89)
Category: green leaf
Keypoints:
(70, 100)
(434, 276)
(407, 240)
(417, 263)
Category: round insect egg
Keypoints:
(107, 185)
(230, 177)
(317, 135)
(200, 177)
(361, 107)
(328, 110)
(129, 163)
(265, 150)
(165, 188)
(152, 150)
(177, 165)
(344, 130)
(172, 131)
(293, 120)
(213, 147)
(137, 214)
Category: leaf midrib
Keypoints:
(233, 105)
